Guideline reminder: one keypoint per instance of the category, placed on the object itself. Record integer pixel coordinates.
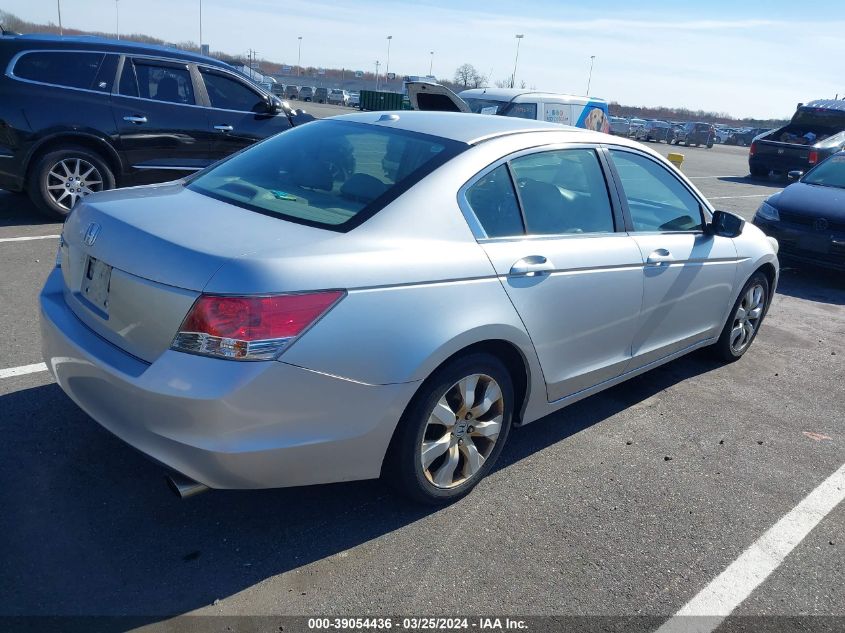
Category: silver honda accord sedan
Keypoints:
(387, 295)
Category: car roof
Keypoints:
(113, 45)
(465, 127)
(511, 93)
(826, 104)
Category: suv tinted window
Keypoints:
(522, 110)
(159, 82)
(330, 174)
(563, 191)
(230, 94)
(493, 201)
(656, 198)
(62, 68)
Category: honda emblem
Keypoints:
(91, 234)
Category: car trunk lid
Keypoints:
(134, 261)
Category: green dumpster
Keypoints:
(378, 100)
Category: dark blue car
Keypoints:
(808, 217)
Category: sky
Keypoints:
(748, 58)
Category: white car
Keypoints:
(337, 96)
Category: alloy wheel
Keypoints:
(462, 431)
(71, 179)
(747, 318)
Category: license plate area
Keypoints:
(96, 283)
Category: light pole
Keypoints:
(117, 18)
(299, 58)
(431, 62)
(516, 59)
(590, 77)
(387, 65)
(377, 65)
(59, 6)
(200, 26)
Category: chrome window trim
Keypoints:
(475, 224)
(10, 68)
(168, 167)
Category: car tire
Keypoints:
(434, 459)
(60, 167)
(741, 328)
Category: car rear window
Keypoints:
(329, 174)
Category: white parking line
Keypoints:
(31, 237)
(718, 599)
(23, 369)
(753, 195)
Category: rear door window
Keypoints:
(563, 191)
(157, 81)
(227, 93)
(66, 68)
(522, 110)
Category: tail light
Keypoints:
(250, 328)
(813, 157)
(753, 149)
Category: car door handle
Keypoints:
(533, 265)
(135, 119)
(224, 128)
(659, 257)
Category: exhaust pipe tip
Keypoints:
(184, 487)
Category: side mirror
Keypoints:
(726, 224)
(795, 175)
(273, 104)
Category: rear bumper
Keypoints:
(223, 423)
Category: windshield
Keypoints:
(504, 108)
(830, 173)
(330, 174)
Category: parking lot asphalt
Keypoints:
(626, 504)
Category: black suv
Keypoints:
(81, 114)
(696, 134)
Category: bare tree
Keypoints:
(468, 77)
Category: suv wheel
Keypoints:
(60, 178)
(453, 431)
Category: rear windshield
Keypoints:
(820, 118)
(329, 174)
(504, 108)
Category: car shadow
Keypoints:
(92, 530)
(16, 209)
(769, 181)
(805, 281)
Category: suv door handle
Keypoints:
(659, 257)
(224, 128)
(533, 265)
(135, 119)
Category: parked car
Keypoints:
(696, 134)
(355, 99)
(619, 126)
(654, 131)
(634, 125)
(291, 92)
(338, 97)
(585, 112)
(745, 136)
(321, 95)
(276, 339)
(722, 134)
(306, 93)
(278, 90)
(816, 131)
(83, 114)
(808, 216)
